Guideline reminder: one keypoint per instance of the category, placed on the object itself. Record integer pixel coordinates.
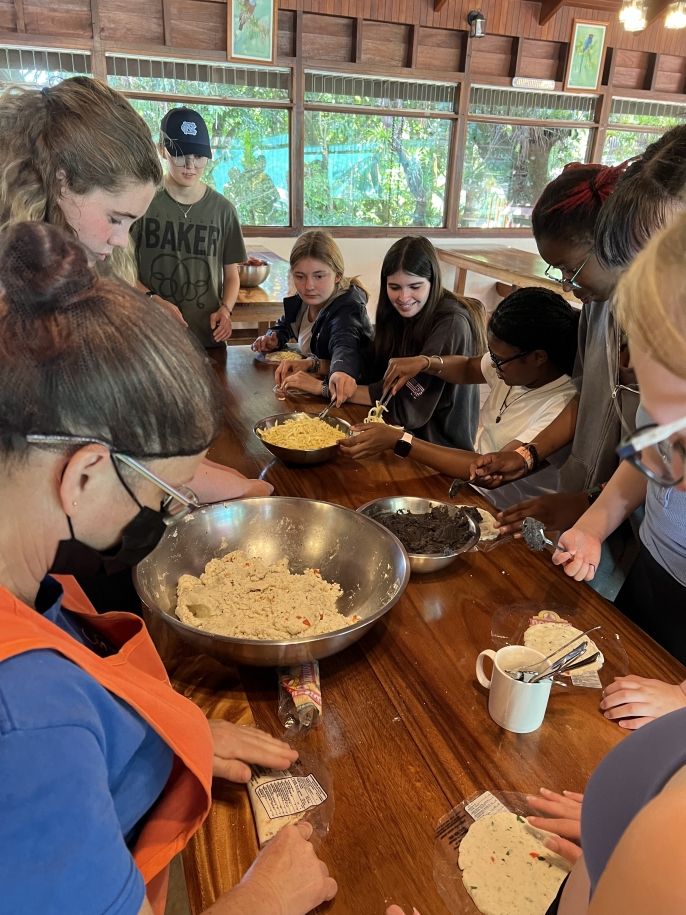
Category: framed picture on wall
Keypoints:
(586, 53)
(251, 30)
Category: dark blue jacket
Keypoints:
(342, 332)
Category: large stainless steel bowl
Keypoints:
(368, 562)
(253, 274)
(299, 455)
(422, 562)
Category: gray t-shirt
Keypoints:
(182, 259)
(663, 529)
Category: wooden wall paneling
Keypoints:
(358, 25)
(630, 69)
(67, 18)
(652, 64)
(19, 12)
(385, 43)
(200, 24)
(440, 49)
(285, 39)
(671, 74)
(491, 56)
(327, 37)
(540, 59)
(121, 21)
(9, 17)
(167, 24)
(297, 131)
(548, 9)
(413, 48)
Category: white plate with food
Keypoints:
(280, 355)
(488, 859)
(548, 627)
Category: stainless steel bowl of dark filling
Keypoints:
(433, 533)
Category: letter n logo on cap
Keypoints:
(189, 128)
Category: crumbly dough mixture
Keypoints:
(243, 597)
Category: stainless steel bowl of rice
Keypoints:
(303, 455)
(310, 535)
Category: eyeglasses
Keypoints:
(178, 502)
(499, 363)
(189, 161)
(562, 280)
(650, 450)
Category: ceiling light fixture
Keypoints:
(632, 15)
(676, 16)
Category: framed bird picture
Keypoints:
(585, 57)
(251, 30)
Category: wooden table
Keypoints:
(405, 733)
(510, 267)
(262, 305)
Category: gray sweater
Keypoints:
(446, 414)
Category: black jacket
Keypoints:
(342, 332)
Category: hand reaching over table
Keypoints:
(292, 366)
(560, 814)
(237, 747)
(370, 440)
(557, 512)
(634, 701)
(286, 878)
(578, 553)
(401, 369)
(498, 467)
(297, 380)
(342, 387)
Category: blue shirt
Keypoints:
(79, 769)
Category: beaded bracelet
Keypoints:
(326, 394)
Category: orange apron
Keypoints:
(136, 675)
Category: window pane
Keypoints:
(41, 68)
(506, 167)
(367, 170)
(178, 77)
(534, 106)
(251, 162)
(379, 92)
(623, 144)
(647, 114)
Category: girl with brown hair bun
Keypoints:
(105, 771)
(327, 316)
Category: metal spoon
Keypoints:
(562, 662)
(519, 673)
(534, 536)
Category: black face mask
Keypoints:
(139, 538)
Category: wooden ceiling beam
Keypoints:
(548, 10)
(438, 5)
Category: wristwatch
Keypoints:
(404, 445)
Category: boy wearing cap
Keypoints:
(189, 243)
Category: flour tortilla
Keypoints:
(506, 868)
(489, 531)
(547, 637)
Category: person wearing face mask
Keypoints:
(189, 243)
(327, 316)
(415, 314)
(105, 771)
(527, 366)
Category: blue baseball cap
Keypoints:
(184, 133)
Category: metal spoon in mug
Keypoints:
(574, 638)
(561, 663)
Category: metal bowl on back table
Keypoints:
(253, 274)
(422, 562)
(300, 455)
(310, 534)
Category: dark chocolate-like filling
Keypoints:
(438, 532)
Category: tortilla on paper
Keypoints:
(547, 637)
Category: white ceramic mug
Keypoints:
(513, 704)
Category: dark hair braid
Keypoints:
(534, 318)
